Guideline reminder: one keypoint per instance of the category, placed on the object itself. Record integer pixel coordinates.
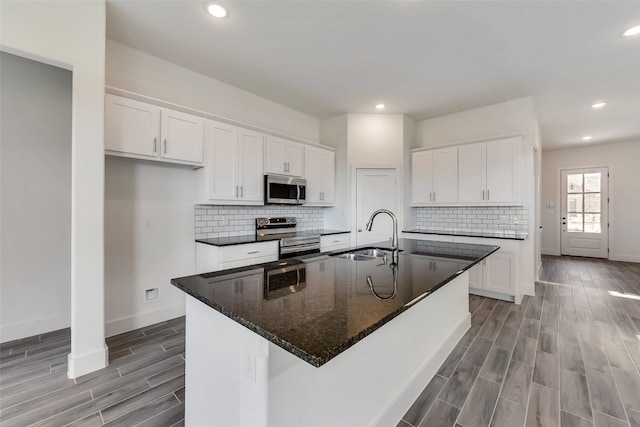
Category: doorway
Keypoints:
(584, 214)
(376, 188)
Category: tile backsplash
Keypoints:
(512, 218)
(226, 220)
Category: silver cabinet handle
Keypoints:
(284, 166)
(253, 252)
(359, 230)
(165, 146)
(434, 196)
(155, 144)
(336, 241)
(488, 194)
(235, 193)
(241, 191)
(482, 194)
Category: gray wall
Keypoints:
(35, 190)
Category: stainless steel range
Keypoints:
(292, 243)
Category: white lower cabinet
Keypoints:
(335, 242)
(215, 258)
(496, 273)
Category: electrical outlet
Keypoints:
(249, 365)
(151, 294)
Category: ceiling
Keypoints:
(421, 58)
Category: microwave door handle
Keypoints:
(298, 193)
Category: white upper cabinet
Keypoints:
(182, 136)
(141, 130)
(488, 172)
(319, 168)
(234, 170)
(434, 176)
(283, 157)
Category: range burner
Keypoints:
(292, 244)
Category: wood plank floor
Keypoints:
(569, 356)
(143, 384)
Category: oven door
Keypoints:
(284, 190)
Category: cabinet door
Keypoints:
(274, 158)
(445, 175)
(313, 174)
(222, 161)
(294, 158)
(499, 272)
(182, 136)
(471, 173)
(502, 170)
(421, 177)
(328, 173)
(475, 276)
(131, 127)
(251, 163)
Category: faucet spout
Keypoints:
(394, 239)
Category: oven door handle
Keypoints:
(289, 249)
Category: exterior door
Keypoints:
(375, 189)
(584, 218)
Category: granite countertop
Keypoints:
(317, 306)
(253, 238)
(488, 234)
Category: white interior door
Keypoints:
(584, 218)
(375, 189)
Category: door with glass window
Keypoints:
(584, 221)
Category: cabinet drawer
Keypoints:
(249, 251)
(335, 242)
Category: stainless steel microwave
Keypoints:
(284, 190)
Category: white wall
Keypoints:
(71, 34)
(35, 179)
(139, 257)
(516, 116)
(375, 139)
(138, 72)
(623, 159)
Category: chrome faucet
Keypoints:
(394, 240)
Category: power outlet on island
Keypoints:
(249, 365)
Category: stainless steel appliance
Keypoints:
(292, 244)
(284, 190)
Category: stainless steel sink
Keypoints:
(365, 254)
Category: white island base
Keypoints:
(235, 377)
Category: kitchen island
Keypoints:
(324, 340)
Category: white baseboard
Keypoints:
(80, 365)
(34, 327)
(491, 294)
(423, 376)
(554, 252)
(623, 257)
(140, 320)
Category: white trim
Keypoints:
(86, 363)
(412, 390)
(492, 294)
(140, 320)
(624, 257)
(472, 141)
(34, 327)
(553, 252)
(166, 104)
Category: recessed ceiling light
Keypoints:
(380, 106)
(632, 31)
(216, 10)
(598, 104)
(586, 138)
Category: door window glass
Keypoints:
(584, 203)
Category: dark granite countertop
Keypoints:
(487, 234)
(253, 238)
(317, 306)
